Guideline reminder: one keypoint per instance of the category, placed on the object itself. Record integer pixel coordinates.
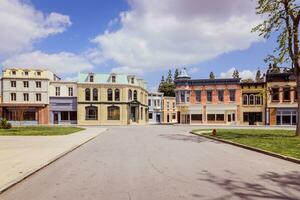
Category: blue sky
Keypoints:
(147, 39)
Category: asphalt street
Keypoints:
(160, 162)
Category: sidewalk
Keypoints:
(20, 156)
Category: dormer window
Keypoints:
(113, 79)
(91, 78)
(132, 80)
(13, 72)
(38, 73)
(26, 73)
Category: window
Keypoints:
(275, 94)
(70, 91)
(187, 96)
(251, 99)
(13, 96)
(129, 95)
(91, 113)
(245, 99)
(252, 116)
(198, 95)
(38, 73)
(73, 115)
(26, 84)
(149, 102)
(109, 95)
(220, 117)
(155, 103)
(95, 94)
(29, 115)
(211, 117)
(173, 116)
(142, 113)
(168, 106)
(231, 95)
(113, 113)
(113, 79)
(286, 94)
(13, 84)
(135, 95)
(87, 94)
(150, 116)
(209, 95)
(182, 96)
(196, 117)
(246, 116)
(91, 78)
(26, 73)
(26, 96)
(38, 97)
(177, 96)
(64, 115)
(13, 72)
(57, 91)
(38, 84)
(257, 100)
(117, 95)
(132, 80)
(221, 95)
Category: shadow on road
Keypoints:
(183, 137)
(277, 186)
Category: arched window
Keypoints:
(113, 113)
(87, 94)
(95, 94)
(117, 95)
(109, 95)
(258, 100)
(135, 95)
(245, 99)
(91, 113)
(129, 95)
(251, 99)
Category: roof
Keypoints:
(219, 81)
(102, 78)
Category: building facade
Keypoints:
(253, 103)
(111, 99)
(155, 107)
(25, 95)
(63, 102)
(281, 99)
(169, 110)
(207, 101)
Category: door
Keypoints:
(229, 117)
(158, 118)
(133, 114)
(251, 118)
(55, 121)
(168, 118)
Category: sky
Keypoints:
(141, 37)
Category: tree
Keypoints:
(167, 86)
(248, 80)
(212, 75)
(169, 77)
(282, 17)
(176, 74)
(235, 74)
(258, 76)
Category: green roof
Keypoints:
(104, 78)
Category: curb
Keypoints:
(290, 159)
(44, 165)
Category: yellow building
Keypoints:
(111, 99)
(169, 110)
(253, 105)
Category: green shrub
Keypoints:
(4, 124)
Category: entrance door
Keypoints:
(55, 121)
(133, 114)
(251, 118)
(168, 118)
(158, 118)
(229, 117)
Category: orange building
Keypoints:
(207, 101)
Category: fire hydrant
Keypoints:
(214, 132)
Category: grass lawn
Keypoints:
(39, 130)
(282, 142)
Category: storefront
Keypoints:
(63, 110)
(286, 116)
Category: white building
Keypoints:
(155, 107)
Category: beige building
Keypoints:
(111, 99)
(169, 110)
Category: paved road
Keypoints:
(160, 162)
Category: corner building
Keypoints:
(111, 99)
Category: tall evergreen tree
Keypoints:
(258, 76)
(169, 77)
(212, 75)
(235, 74)
(176, 74)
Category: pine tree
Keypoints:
(176, 74)
(212, 75)
(169, 78)
(258, 76)
(235, 74)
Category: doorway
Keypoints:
(55, 120)
(133, 114)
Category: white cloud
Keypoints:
(244, 74)
(21, 25)
(63, 62)
(193, 70)
(156, 34)
(127, 70)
